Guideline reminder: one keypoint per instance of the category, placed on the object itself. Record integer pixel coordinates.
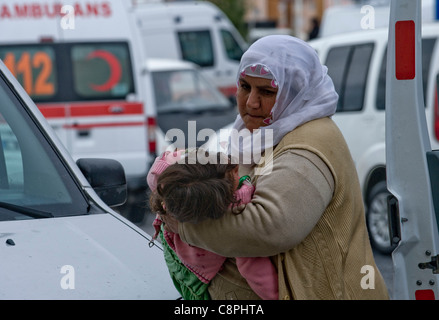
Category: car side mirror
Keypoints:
(107, 178)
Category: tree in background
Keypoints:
(235, 11)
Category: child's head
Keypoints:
(194, 192)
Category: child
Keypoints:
(192, 193)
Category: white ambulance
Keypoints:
(195, 31)
(80, 61)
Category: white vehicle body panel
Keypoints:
(84, 257)
(407, 144)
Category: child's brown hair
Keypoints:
(195, 192)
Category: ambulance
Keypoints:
(196, 31)
(80, 61)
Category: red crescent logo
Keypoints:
(115, 70)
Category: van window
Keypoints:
(196, 46)
(427, 51)
(56, 72)
(348, 67)
(233, 50)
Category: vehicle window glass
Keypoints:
(31, 174)
(102, 70)
(427, 51)
(356, 78)
(196, 46)
(185, 90)
(233, 50)
(336, 62)
(35, 68)
(348, 67)
(11, 171)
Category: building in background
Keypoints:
(295, 17)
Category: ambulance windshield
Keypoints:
(58, 72)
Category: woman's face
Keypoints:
(255, 98)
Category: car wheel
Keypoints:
(377, 218)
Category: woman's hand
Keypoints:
(170, 223)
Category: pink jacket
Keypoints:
(259, 272)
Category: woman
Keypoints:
(307, 210)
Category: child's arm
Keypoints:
(204, 264)
(261, 276)
(245, 193)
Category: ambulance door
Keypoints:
(411, 164)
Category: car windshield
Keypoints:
(186, 91)
(34, 182)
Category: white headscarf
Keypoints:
(305, 91)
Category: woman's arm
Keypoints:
(286, 205)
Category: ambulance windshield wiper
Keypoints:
(34, 213)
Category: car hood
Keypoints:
(83, 257)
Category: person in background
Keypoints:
(307, 211)
(315, 28)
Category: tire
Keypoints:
(377, 218)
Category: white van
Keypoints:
(195, 31)
(357, 64)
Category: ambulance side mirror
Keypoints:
(107, 178)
